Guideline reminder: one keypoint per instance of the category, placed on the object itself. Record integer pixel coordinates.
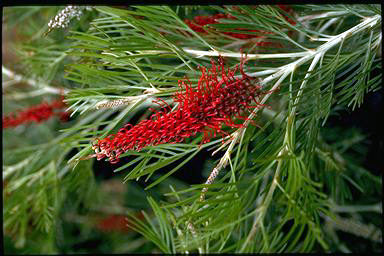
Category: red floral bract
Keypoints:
(203, 109)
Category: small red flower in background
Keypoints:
(116, 223)
(113, 223)
(203, 109)
(38, 114)
(198, 23)
(288, 10)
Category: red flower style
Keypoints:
(38, 114)
(203, 109)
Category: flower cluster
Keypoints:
(198, 23)
(37, 114)
(202, 109)
(63, 18)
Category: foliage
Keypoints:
(279, 183)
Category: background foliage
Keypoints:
(306, 179)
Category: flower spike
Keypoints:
(203, 109)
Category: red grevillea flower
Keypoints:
(38, 113)
(202, 109)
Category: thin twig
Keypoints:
(355, 227)
(267, 200)
(193, 232)
(378, 208)
(223, 162)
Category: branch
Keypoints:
(378, 208)
(283, 73)
(321, 16)
(239, 55)
(332, 41)
(43, 87)
(355, 227)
